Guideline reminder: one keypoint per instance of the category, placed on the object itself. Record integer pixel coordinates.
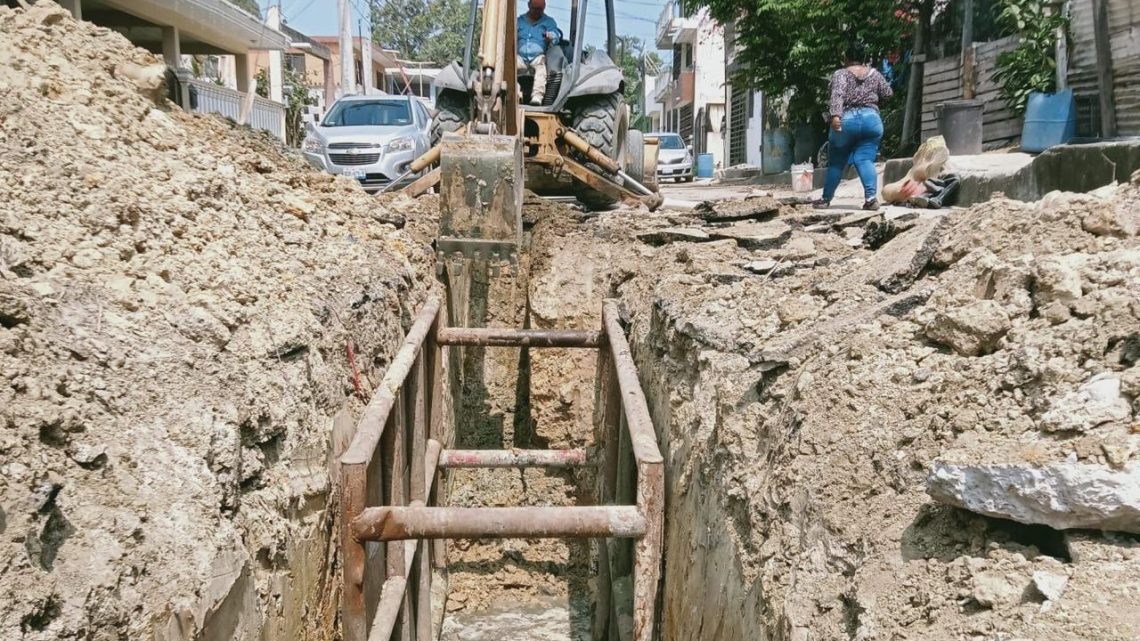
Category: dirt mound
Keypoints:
(176, 299)
(809, 392)
(814, 405)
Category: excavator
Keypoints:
(488, 142)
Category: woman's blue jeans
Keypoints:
(857, 144)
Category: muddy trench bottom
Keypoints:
(540, 589)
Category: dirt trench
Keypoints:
(527, 399)
(805, 386)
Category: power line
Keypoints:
(302, 10)
(360, 13)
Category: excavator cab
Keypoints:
(578, 141)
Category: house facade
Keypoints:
(189, 31)
(744, 130)
(693, 102)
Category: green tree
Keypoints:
(792, 46)
(636, 65)
(1032, 66)
(297, 97)
(422, 30)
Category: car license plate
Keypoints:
(353, 172)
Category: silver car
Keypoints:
(370, 138)
(674, 158)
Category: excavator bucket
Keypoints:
(481, 196)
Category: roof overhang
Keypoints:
(215, 23)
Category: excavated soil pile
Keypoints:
(812, 396)
(176, 300)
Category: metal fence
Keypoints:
(205, 97)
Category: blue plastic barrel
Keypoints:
(704, 165)
(777, 151)
(1050, 119)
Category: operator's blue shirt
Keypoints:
(532, 38)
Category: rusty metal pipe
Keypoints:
(512, 458)
(396, 523)
(427, 159)
(641, 432)
(371, 425)
(497, 337)
(431, 464)
(593, 154)
(388, 609)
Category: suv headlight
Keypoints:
(400, 144)
(312, 145)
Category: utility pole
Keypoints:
(365, 57)
(644, 104)
(347, 66)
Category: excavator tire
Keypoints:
(603, 121)
(453, 110)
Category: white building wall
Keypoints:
(653, 108)
(755, 131)
(708, 82)
(708, 62)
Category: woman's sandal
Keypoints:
(871, 205)
(820, 203)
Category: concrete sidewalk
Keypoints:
(1021, 176)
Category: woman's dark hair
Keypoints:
(856, 52)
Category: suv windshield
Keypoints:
(380, 113)
(672, 142)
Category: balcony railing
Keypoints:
(206, 97)
(665, 23)
(675, 24)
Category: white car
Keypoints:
(370, 138)
(674, 158)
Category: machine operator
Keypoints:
(538, 46)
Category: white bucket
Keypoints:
(803, 177)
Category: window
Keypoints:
(295, 62)
(688, 56)
(671, 142)
(381, 113)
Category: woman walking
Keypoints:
(856, 128)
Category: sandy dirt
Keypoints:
(176, 299)
(177, 296)
(514, 398)
(803, 384)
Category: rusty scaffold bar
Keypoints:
(405, 413)
(451, 459)
(495, 337)
(415, 522)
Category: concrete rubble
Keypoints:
(1096, 402)
(971, 330)
(809, 404)
(1062, 495)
